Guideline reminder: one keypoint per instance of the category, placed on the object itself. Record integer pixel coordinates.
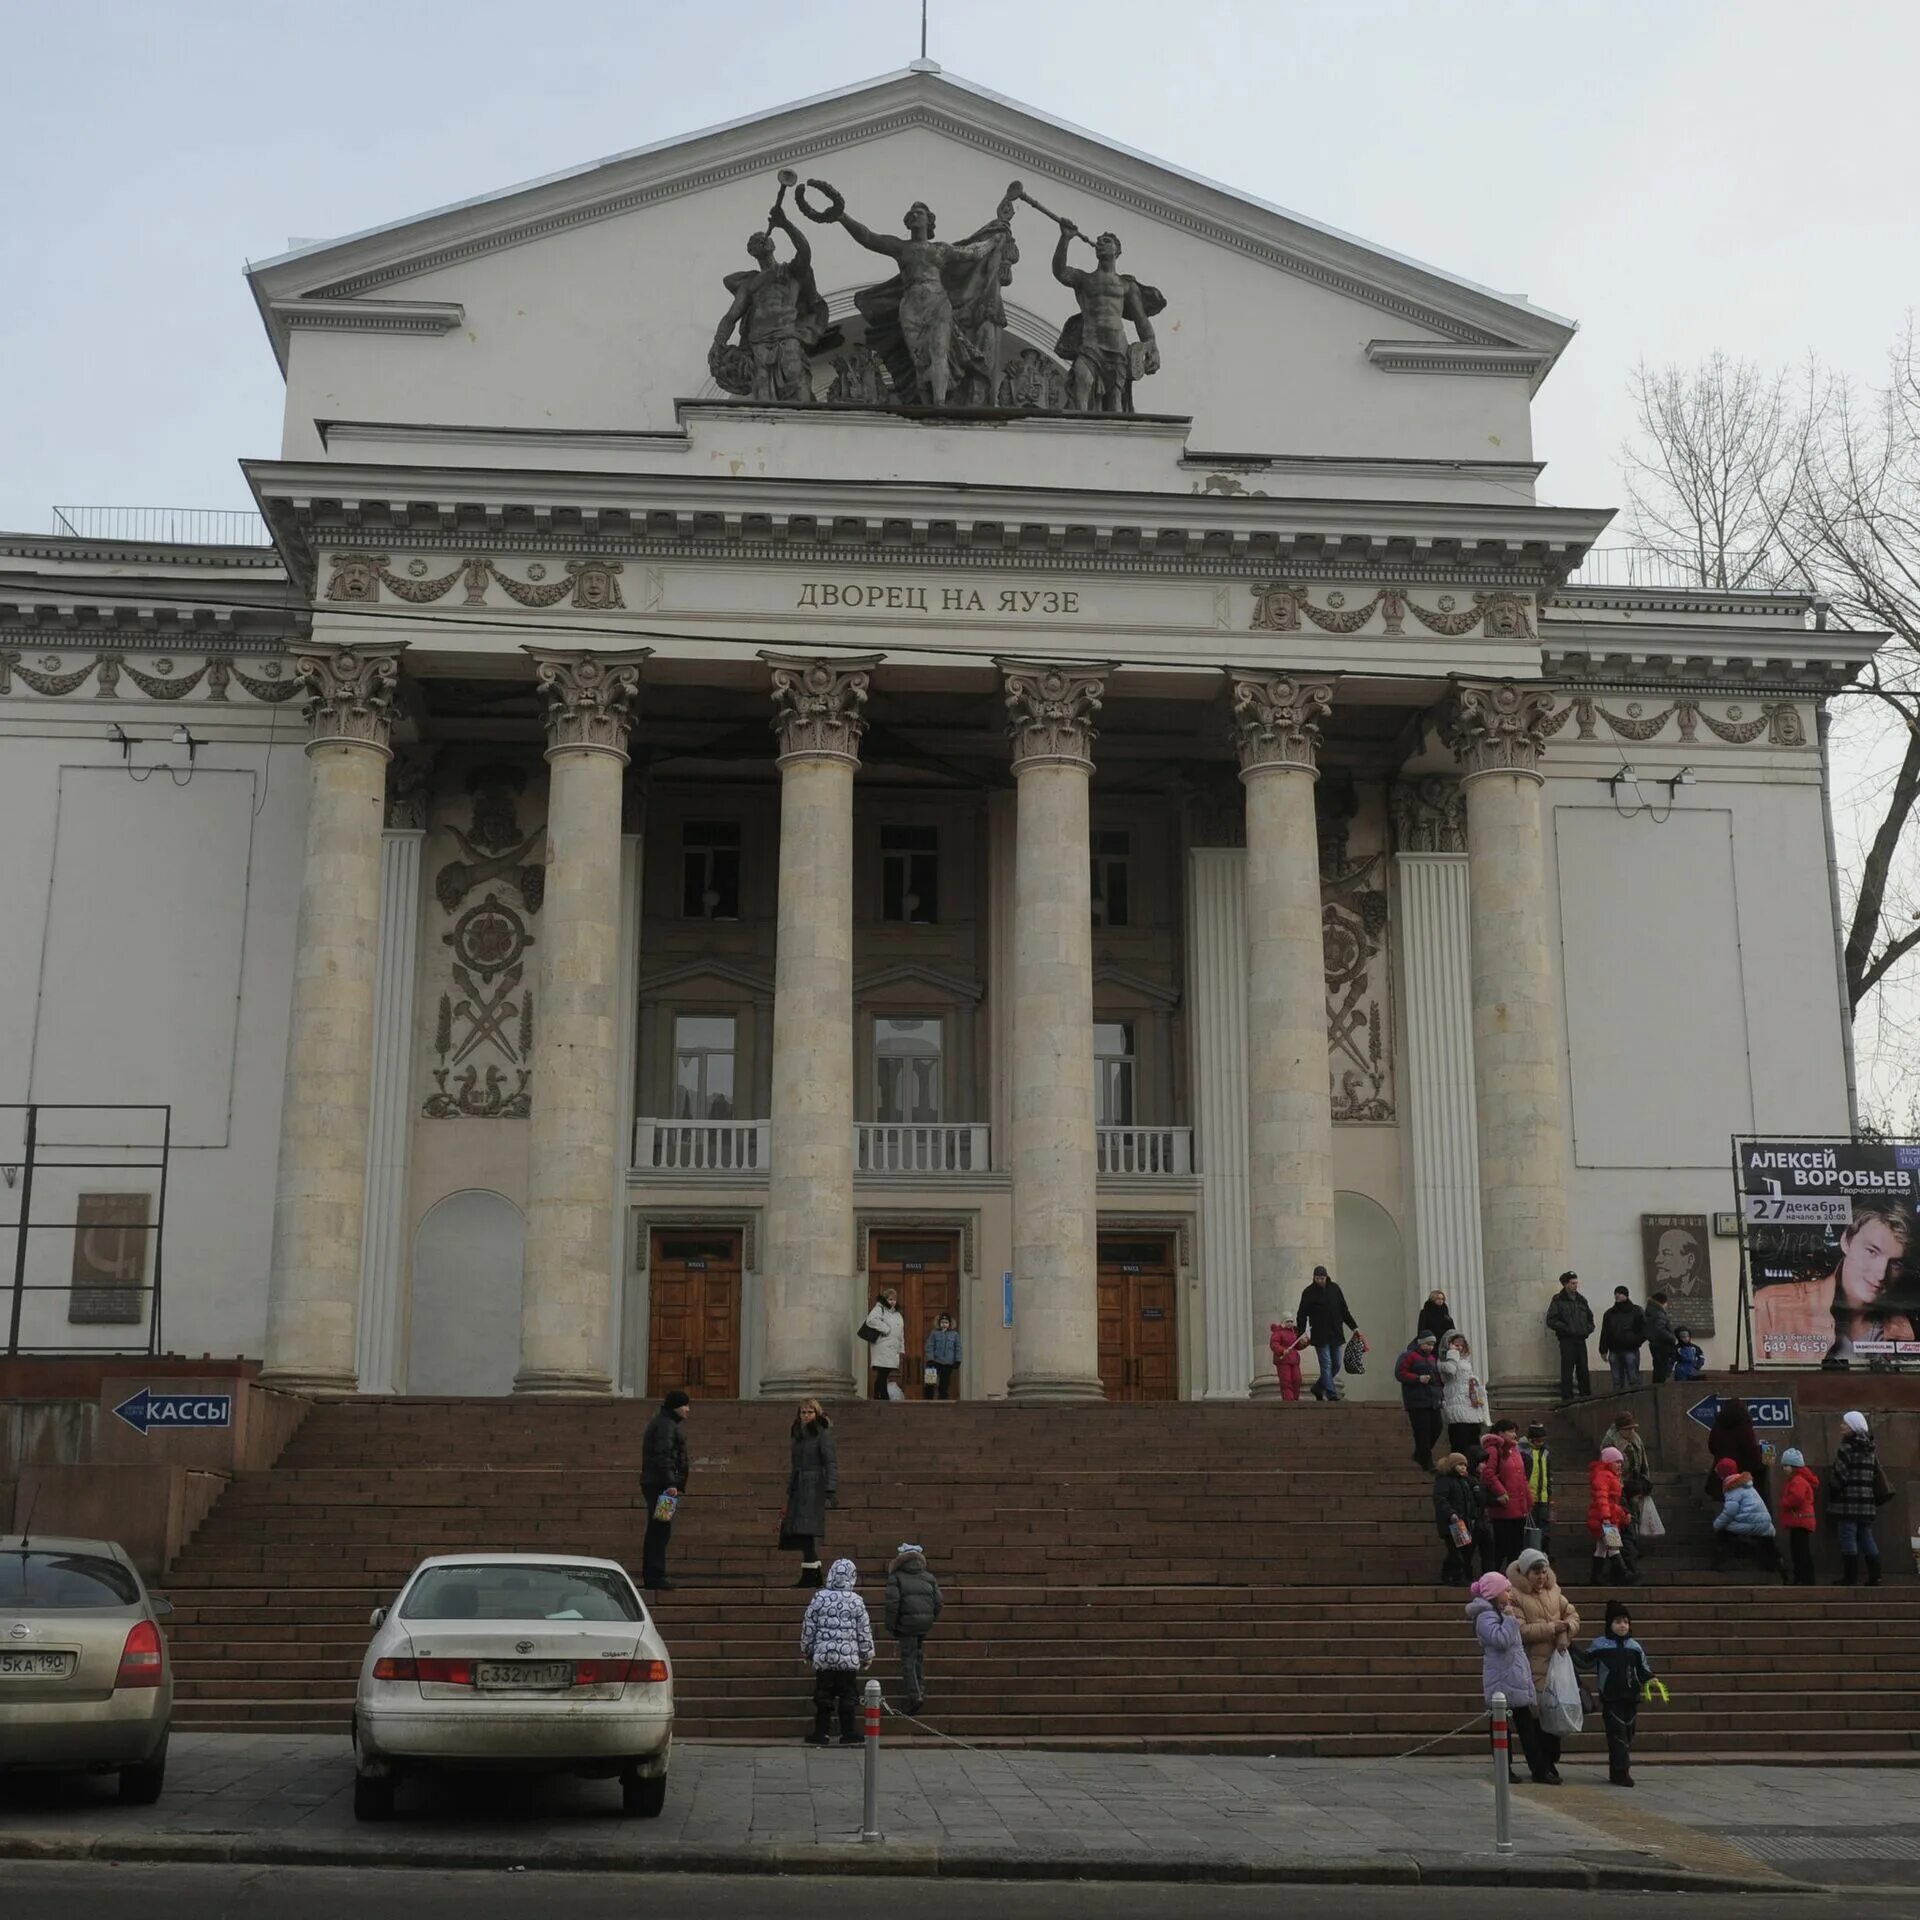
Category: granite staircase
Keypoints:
(1175, 1576)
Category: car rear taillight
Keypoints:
(141, 1659)
(614, 1673)
(446, 1673)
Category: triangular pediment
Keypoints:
(362, 275)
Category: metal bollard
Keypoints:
(1502, 1789)
(870, 1824)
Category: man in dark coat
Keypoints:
(1323, 1312)
(663, 1469)
(1420, 1393)
(1623, 1332)
(1661, 1338)
(1570, 1321)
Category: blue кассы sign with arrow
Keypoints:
(147, 1410)
(1775, 1410)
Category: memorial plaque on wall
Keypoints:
(109, 1259)
(1674, 1261)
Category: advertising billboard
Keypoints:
(1832, 1254)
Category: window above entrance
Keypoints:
(909, 1067)
(1112, 854)
(710, 863)
(703, 1063)
(1114, 1066)
(910, 875)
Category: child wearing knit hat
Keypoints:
(1620, 1664)
(1607, 1518)
(1797, 1515)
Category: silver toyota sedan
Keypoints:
(540, 1662)
(85, 1681)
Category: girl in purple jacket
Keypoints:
(1504, 1669)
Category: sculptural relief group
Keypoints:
(935, 333)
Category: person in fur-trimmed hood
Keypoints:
(1743, 1521)
(837, 1637)
(914, 1602)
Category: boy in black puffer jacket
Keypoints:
(913, 1605)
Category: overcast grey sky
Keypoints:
(1676, 176)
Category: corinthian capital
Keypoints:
(1497, 729)
(349, 693)
(1276, 720)
(817, 702)
(590, 698)
(1050, 709)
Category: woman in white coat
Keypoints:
(1463, 1400)
(889, 1345)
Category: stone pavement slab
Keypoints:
(1017, 1813)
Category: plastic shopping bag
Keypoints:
(1652, 1527)
(895, 1391)
(1560, 1712)
(667, 1505)
(1459, 1532)
(1610, 1538)
(1354, 1359)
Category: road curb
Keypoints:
(906, 1861)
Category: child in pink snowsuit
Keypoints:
(1286, 1343)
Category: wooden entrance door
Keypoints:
(1139, 1340)
(693, 1338)
(923, 1269)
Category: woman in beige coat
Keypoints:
(1548, 1623)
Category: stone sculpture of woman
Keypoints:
(937, 324)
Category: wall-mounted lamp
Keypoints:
(183, 738)
(1686, 777)
(121, 739)
(1614, 781)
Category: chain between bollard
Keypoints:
(1502, 1787)
(870, 1703)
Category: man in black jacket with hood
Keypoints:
(663, 1469)
(1323, 1313)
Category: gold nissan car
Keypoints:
(85, 1682)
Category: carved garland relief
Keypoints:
(357, 579)
(1280, 607)
(269, 682)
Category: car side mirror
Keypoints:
(160, 1604)
(377, 1617)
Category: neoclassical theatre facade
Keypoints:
(1072, 779)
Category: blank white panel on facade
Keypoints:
(1656, 1006)
(464, 1328)
(140, 971)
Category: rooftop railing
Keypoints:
(180, 526)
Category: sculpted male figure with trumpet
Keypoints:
(779, 312)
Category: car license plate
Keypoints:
(35, 1666)
(523, 1673)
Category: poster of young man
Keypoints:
(1673, 1261)
(1835, 1264)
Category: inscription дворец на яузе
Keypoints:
(1043, 600)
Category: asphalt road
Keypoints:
(57, 1892)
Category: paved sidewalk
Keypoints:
(265, 1798)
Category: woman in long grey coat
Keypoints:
(813, 1485)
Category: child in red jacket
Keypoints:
(1286, 1341)
(1607, 1518)
(1797, 1518)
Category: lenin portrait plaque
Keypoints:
(1673, 1258)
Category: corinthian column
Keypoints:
(811, 1308)
(1056, 1314)
(567, 1297)
(1519, 1091)
(1290, 1107)
(313, 1287)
